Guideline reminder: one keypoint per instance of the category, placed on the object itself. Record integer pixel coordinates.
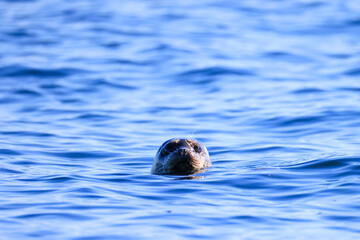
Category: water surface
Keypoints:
(90, 89)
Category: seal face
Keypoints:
(179, 156)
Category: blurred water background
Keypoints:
(90, 89)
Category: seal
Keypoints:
(180, 156)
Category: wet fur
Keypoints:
(181, 157)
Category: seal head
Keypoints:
(179, 156)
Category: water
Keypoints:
(90, 89)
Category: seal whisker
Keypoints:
(171, 134)
(192, 133)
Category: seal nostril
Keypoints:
(182, 152)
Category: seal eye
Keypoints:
(197, 149)
(171, 147)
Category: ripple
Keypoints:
(215, 71)
(353, 72)
(50, 179)
(291, 197)
(67, 216)
(343, 218)
(112, 84)
(131, 62)
(21, 33)
(308, 90)
(22, 71)
(248, 218)
(35, 191)
(28, 133)
(50, 86)
(320, 164)
(81, 154)
(93, 116)
(7, 100)
(350, 89)
(9, 152)
(294, 121)
(325, 164)
(288, 57)
(275, 149)
(27, 92)
(7, 170)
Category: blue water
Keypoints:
(90, 89)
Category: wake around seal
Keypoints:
(180, 156)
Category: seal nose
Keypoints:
(183, 151)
